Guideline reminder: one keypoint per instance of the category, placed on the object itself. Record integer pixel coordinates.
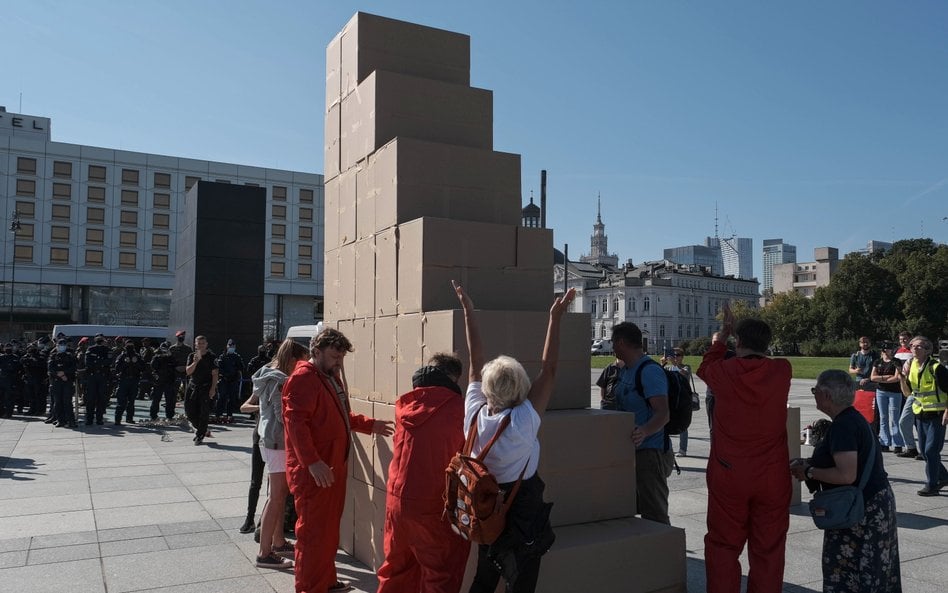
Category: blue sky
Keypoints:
(823, 123)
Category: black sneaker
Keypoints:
(909, 453)
(926, 491)
(247, 527)
(897, 450)
(275, 562)
(885, 448)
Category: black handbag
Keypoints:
(843, 506)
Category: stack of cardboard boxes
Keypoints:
(416, 197)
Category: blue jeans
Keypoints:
(907, 422)
(683, 442)
(889, 405)
(931, 439)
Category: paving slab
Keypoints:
(63, 553)
(175, 567)
(150, 514)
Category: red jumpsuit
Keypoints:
(748, 477)
(315, 429)
(422, 553)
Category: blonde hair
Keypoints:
(287, 355)
(505, 383)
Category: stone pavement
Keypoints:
(140, 508)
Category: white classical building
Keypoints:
(96, 232)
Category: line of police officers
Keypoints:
(51, 370)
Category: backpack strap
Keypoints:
(472, 434)
(638, 377)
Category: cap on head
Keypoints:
(231, 343)
(180, 333)
(61, 341)
(83, 341)
(119, 339)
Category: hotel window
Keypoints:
(306, 214)
(95, 194)
(95, 236)
(159, 241)
(159, 261)
(127, 259)
(306, 233)
(26, 209)
(304, 270)
(62, 191)
(25, 166)
(128, 218)
(277, 250)
(279, 192)
(58, 255)
(279, 212)
(128, 239)
(278, 231)
(95, 215)
(62, 170)
(130, 197)
(160, 221)
(189, 182)
(61, 212)
(23, 253)
(163, 180)
(25, 233)
(59, 234)
(306, 251)
(277, 268)
(96, 173)
(93, 257)
(26, 187)
(161, 200)
(306, 196)
(129, 177)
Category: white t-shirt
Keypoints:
(516, 444)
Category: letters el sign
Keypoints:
(17, 122)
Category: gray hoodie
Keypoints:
(268, 386)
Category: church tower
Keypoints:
(599, 243)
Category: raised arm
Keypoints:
(474, 345)
(542, 388)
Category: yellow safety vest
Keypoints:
(925, 388)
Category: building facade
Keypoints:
(97, 229)
(806, 277)
(737, 254)
(775, 252)
(599, 243)
(697, 255)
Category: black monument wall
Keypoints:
(219, 271)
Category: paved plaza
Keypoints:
(140, 508)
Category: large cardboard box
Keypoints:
(365, 277)
(370, 42)
(423, 287)
(332, 148)
(446, 242)
(345, 304)
(535, 249)
(384, 447)
(386, 272)
(334, 72)
(412, 178)
(331, 284)
(347, 522)
(360, 364)
(362, 454)
(386, 357)
(369, 523)
(386, 105)
(411, 349)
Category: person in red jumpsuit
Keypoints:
(317, 422)
(748, 484)
(422, 554)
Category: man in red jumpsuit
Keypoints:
(422, 553)
(748, 482)
(318, 420)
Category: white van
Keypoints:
(302, 334)
(601, 347)
(136, 332)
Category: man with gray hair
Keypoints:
(927, 383)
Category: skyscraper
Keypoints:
(737, 253)
(599, 243)
(775, 252)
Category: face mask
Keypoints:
(60, 348)
(180, 340)
(231, 350)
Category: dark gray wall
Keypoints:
(219, 272)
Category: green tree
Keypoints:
(862, 299)
(921, 270)
(789, 315)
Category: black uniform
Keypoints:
(128, 370)
(147, 382)
(97, 382)
(163, 369)
(62, 386)
(10, 370)
(181, 352)
(35, 385)
(197, 402)
(231, 367)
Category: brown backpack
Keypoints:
(474, 504)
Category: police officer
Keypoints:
(231, 368)
(181, 352)
(61, 369)
(163, 368)
(128, 370)
(147, 381)
(81, 370)
(10, 369)
(202, 387)
(97, 380)
(35, 387)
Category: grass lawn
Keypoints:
(804, 367)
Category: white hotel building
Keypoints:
(97, 232)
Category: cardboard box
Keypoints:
(332, 147)
(360, 364)
(331, 213)
(347, 522)
(386, 356)
(331, 284)
(428, 287)
(362, 454)
(603, 548)
(334, 72)
(365, 277)
(363, 523)
(412, 178)
(535, 249)
(386, 272)
(345, 305)
(384, 447)
(348, 200)
(386, 105)
(370, 42)
(445, 242)
(411, 346)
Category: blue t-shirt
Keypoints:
(629, 399)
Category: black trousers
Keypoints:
(167, 391)
(256, 478)
(197, 408)
(97, 396)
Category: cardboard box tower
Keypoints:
(415, 196)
